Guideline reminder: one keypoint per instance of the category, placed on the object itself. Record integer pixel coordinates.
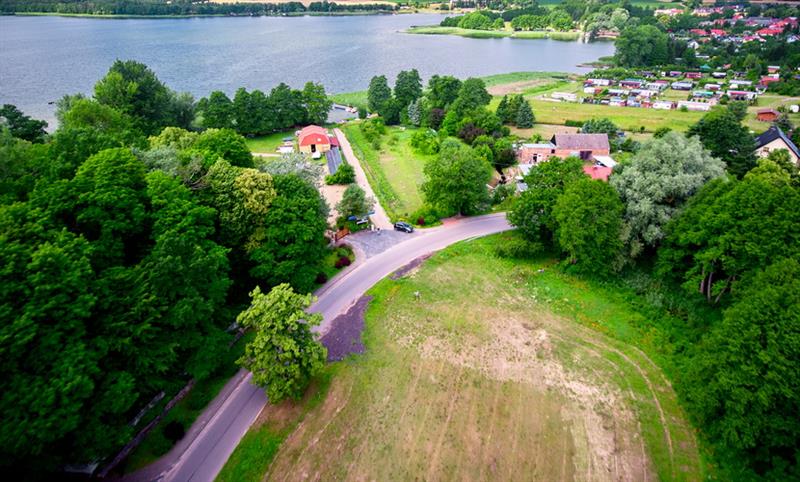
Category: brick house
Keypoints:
(584, 146)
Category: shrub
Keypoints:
(174, 431)
(425, 141)
(344, 175)
(420, 221)
(573, 123)
(321, 278)
(342, 262)
(518, 248)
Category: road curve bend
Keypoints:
(228, 418)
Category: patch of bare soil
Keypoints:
(409, 268)
(516, 87)
(344, 336)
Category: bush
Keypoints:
(425, 141)
(321, 278)
(573, 123)
(420, 221)
(427, 214)
(344, 175)
(518, 248)
(174, 431)
(502, 192)
(342, 262)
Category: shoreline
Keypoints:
(569, 36)
(113, 16)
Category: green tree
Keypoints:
(658, 181)
(23, 165)
(503, 112)
(317, 103)
(21, 125)
(738, 108)
(354, 202)
(294, 237)
(456, 180)
(533, 212)
(503, 154)
(731, 228)
(407, 87)
(288, 107)
(589, 219)
(217, 110)
(741, 381)
(641, 46)
(721, 133)
(524, 118)
(285, 354)
(600, 126)
(378, 93)
(344, 175)
(225, 144)
(471, 95)
(442, 90)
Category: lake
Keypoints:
(43, 58)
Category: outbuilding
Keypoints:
(313, 139)
(767, 115)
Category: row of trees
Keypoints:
(126, 256)
(722, 227)
(256, 113)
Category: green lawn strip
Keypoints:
(472, 33)
(370, 162)
(268, 144)
(255, 452)
(404, 169)
(356, 99)
(187, 410)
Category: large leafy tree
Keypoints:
(131, 87)
(589, 219)
(316, 102)
(407, 87)
(354, 202)
(658, 181)
(23, 164)
(722, 133)
(442, 90)
(730, 229)
(288, 106)
(642, 45)
(285, 354)
(533, 212)
(217, 110)
(456, 180)
(471, 95)
(294, 235)
(378, 93)
(225, 144)
(741, 381)
(21, 125)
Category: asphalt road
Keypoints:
(221, 427)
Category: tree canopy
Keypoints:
(456, 180)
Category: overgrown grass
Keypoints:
(356, 99)
(454, 385)
(395, 172)
(268, 144)
(187, 410)
(251, 458)
(513, 77)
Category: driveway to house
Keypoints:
(217, 432)
(379, 219)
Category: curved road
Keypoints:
(217, 432)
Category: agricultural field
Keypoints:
(395, 171)
(502, 367)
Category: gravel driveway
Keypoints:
(371, 243)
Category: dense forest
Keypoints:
(128, 244)
(179, 7)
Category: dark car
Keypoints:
(405, 227)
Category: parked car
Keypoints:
(405, 227)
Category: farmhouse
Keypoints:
(774, 139)
(585, 146)
(767, 115)
(313, 139)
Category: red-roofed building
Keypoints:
(770, 31)
(767, 115)
(600, 173)
(698, 31)
(313, 139)
(716, 32)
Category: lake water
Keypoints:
(43, 58)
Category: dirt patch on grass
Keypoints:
(517, 87)
(409, 268)
(344, 336)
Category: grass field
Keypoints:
(356, 99)
(268, 144)
(471, 33)
(394, 172)
(504, 370)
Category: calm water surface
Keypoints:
(43, 58)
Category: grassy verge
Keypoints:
(268, 144)
(187, 410)
(503, 366)
(258, 447)
(395, 171)
(471, 33)
(356, 99)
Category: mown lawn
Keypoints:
(268, 144)
(502, 367)
(395, 172)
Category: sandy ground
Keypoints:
(517, 87)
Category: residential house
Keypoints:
(696, 106)
(742, 95)
(694, 75)
(773, 139)
(569, 97)
(663, 104)
(719, 75)
(598, 172)
(682, 85)
(584, 146)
